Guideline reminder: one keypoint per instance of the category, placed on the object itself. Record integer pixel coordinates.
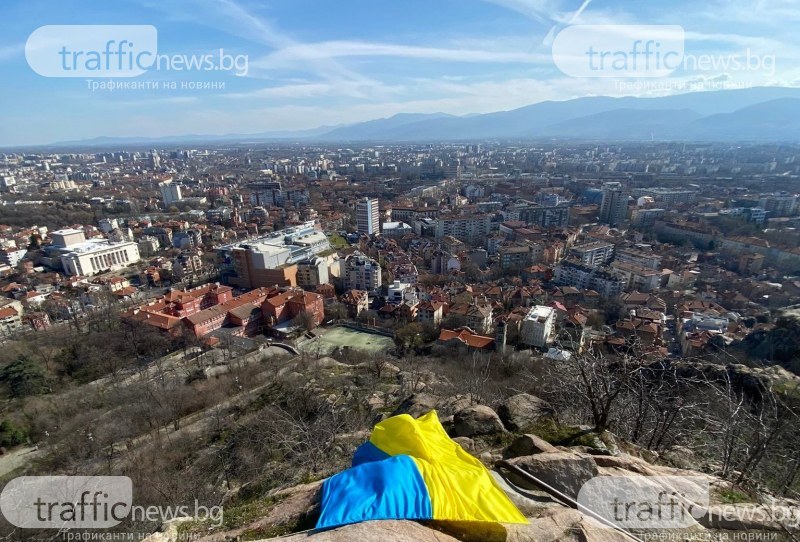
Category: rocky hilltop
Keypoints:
(520, 433)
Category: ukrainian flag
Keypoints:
(411, 469)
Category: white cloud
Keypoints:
(338, 49)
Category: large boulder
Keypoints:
(550, 526)
(476, 420)
(375, 531)
(563, 471)
(416, 405)
(522, 412)
(553, 525)
(296, 507)
(528, 445)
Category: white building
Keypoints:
(10, 320)
(468, 228)
(107, 225)
(170, 192)
(99, 255)
(82, 257)
(367, 216)
(594, 253)
(396, 230)
(637, 277)
(537, 328)
(12, 257)
(400, 292)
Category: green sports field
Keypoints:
(338, 337)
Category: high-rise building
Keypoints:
(170, 192)
(614, 207)
(367, 216)
(779, 204)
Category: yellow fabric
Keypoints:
(460, 487)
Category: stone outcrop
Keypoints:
(376, 531)
(528, 445)
(522, 412)
(475, 421)
(416, 405)
(564, 471)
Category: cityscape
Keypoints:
(503, 271)
(676, 246)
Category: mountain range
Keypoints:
(754, 114)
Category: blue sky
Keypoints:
(323, 62)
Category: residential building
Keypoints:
(594, 253)
(517, 256)
(266, 193)
(430, 311)
(779, 204)
(477, 315)
(466, 337)
(356, 302)
(361, 273)
(599, 279)
(170, 193)
(667, 197)
(312, 272)
(646, 218)
(10, 321)
(472, 228)
(750, 263)
(12, 257)
(644, 256)
(368, 216)
(553, 216)
(637, 277)
(537, 327)
(614, 205)
(188, 265)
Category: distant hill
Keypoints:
(669, 117)
(773, 120)
(754, 114)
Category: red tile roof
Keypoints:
(473, 340)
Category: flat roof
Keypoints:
(539, 311)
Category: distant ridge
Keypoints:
(754, 114)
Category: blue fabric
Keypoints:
(388, 489)
(367, 453)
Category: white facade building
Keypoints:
(537, 328)
(170, 192)
(368, 216)
(98, 255)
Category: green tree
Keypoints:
(24, 377)
(11, 435)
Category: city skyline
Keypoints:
(314, 64)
